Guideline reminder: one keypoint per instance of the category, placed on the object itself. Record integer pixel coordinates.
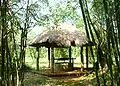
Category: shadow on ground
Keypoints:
(34, 79)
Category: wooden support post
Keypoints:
(70, 64)
(49, 57)
(70, 54)
(86, 56)
(81, 53)
(82, 59)
(52, 59)
(37, 58)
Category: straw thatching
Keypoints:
(63, 35)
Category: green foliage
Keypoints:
(80, 24)
(61, 52)
(31, 52)
(43, 52)
(76, 52)
(65, 13)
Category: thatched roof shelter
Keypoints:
(63, 35)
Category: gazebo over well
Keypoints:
(63, 35)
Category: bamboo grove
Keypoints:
(102, 25)
(104, 22)
(12, 57)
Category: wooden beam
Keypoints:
(37, 58)
(52, 59)
(49, 57)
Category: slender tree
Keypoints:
(107, 20)
(3, 40)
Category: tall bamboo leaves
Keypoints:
(85, 13)
(109, 47)
(10, 63)
(86, 19)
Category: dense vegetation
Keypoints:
(98, 18)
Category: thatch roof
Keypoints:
(63, 35)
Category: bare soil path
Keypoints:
(35, 79)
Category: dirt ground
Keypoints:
(35, 79)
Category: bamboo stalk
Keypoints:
(108, 40)
(84, 18)
(3, 41)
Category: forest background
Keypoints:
(98, 18)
